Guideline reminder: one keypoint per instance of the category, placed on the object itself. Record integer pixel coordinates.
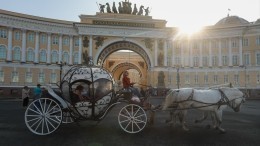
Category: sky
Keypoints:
(187, 14)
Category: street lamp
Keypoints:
(61, 64)
(178, 76)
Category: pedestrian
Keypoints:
(25, 95)
(37, 92)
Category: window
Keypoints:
(17, 35)
(234, 44)
(225, 60)
(187, 79)
(65, 41)
(236, 79)
(31, 37)
(66, 57)
(225, 79)
(245, 42)
(53, 78)
(2, 52)
(214, 44)
(205, 61)
(258, 41)
(28, 77)
(76, 58)
(55, 40)
(17, 54)
(3, 33)
(258, 78)
(223, 44)
(205, 44)
(215, 79)
(54, 56)
(258, 59)
(30, 55)
(43, 56)
(76, 42)
(196, 61)
(235, 60)
(43, 39)
(2, 76)
(215, 60)
(15, 77)
(247, 79)
(169, 61)
(195, 45)
(196, 79)
(246, 59)
(206, 79)
(177, 61)
(41, 78)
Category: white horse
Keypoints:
(212, 101)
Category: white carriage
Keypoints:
(43, 116)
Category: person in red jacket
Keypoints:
(129, 85)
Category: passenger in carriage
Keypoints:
(77, 94)
(129, 85)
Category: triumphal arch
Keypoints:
(106, 33)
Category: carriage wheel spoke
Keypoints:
(136, 111)
(40, 112)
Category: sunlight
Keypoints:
(189, 30)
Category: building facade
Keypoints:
(39, 50)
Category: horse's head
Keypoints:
(235, 98)
(171, 96)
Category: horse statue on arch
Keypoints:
(212, 101)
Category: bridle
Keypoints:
(224, 100)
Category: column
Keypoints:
(36, 54)
(240, 51)
(210, 53)
(71, 50)
(165, 52)
(10, 40)
(60, 48)
(156, 53)
(229, 52)
(23, 59)
(90, 46)
(182, 55)
(200, 49)
(173, 54)
(219, 53)
(49, 48)
(191, 53)
(80, 49)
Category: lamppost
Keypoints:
(61, 64)
(178, 77)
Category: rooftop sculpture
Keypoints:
(124, 7)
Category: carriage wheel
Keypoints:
(132, 118)
(67, 118)
(43, 116)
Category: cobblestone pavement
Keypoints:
(243, 128)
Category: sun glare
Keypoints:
(189, 30)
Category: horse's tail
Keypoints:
(168, 99)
